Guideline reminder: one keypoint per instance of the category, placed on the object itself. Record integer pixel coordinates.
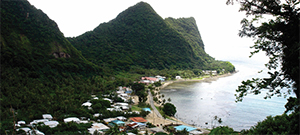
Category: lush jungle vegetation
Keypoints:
(33, 81)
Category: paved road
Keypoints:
(152, 105)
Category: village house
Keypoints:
(210, 72)
(160, 78)
(138, 119)
(178, 77)
(51, 124)
(35, 122)
(47, 116)
(99, 127)
(122, 118)
(148, 80)
(111, 101)
(116, 122)
(70, 119)
(108, 120)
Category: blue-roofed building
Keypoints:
(117, 122)
(182, 127)
(147, 109)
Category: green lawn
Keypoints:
(135, 108)
(197, 78)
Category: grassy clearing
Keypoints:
(135, 108)
(200, 78)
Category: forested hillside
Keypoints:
(41, 72)
(138, 38)
(187, 27)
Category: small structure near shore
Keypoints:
(178, 77)
(138, 119)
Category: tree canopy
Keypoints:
(278, 37)
(169, 109)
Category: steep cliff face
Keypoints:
(140, 37)
(187, 27)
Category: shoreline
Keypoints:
(174, 120)
(206, 79)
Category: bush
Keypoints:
(222, 130)
(169, 109)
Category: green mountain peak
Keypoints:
(139, 37)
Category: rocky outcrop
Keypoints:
(61, 55)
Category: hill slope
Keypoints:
(139, 37)
(41, 72)
(187, 27)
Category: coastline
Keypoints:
(159, 121)
(206, 79)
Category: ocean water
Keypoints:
(198, 102)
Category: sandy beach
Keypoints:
(207, 79)
(153, 118)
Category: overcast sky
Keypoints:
(217, 22)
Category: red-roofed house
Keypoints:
(138, 119)
(149, 80)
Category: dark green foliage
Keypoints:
(144, 113)
(292, 105)
(150, 125)
(114, 131)
(139, 89)
(223, 130)
(279, 39)
(33, 81)
(281, 124)
(188, 29)
(66, 128)
(138, 38)
(182, 132)
(161, 133)
(157, 84)
(169, 109)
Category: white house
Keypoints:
(31, 132)
(178, 77)
(122, 104)
(122, 118)
(109, 120)
(21, 122)
(88, 103)
(99, 127)
(96, 114)
(51, 124)
(208, 72)
(108, 100)
(26, 129)
(38, 121)
(47, 116)
(74, 119)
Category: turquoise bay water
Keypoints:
(198, 102)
